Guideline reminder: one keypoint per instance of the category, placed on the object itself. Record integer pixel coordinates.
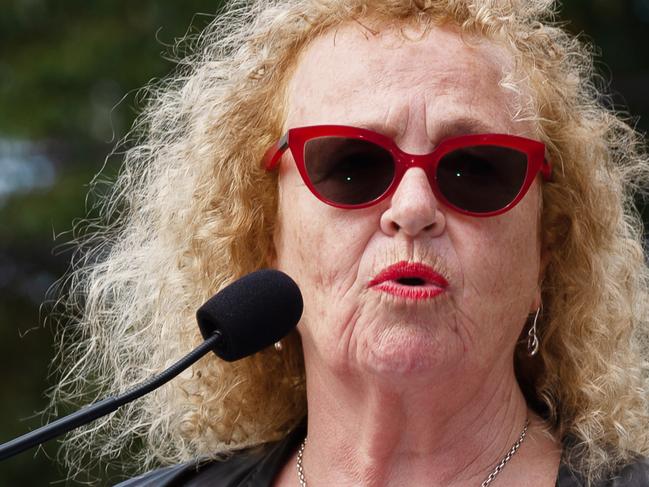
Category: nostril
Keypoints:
(395, 226)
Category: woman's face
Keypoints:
(418, 92)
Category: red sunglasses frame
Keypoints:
(296, 138)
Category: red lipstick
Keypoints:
(409, 280)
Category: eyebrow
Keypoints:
(443, 130)
(377, 127)
(446, 129)
(463, 126)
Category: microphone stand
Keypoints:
(106, 406)
(230, 324)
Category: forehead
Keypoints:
(383, 80)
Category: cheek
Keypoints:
(321, 248)
(499, 262)
(317, 251)
(500, 270)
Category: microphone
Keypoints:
(245, 317)
(252, 313)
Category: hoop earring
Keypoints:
(532, 337)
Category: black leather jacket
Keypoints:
(259, 466)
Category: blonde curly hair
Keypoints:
(192, 210)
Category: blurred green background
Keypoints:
(69, 73)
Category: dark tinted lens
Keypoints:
(348, 171)
(482, 178)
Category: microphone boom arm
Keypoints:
(106, 406)
(230, 324)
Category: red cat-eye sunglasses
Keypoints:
(349, 167)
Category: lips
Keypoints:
(409, 280)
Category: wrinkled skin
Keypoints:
(383, 372)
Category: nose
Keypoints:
(413, 210)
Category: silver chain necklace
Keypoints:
(490, 478)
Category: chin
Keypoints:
(409, 351)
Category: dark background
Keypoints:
(69, 75)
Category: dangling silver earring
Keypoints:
(532, 337)
(279, 346)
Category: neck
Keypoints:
(374, 431)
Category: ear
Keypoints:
(536, 302)
(543, 264)
(272, 257)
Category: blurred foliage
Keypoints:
(69, 71)
(619, 31)
(65, 65)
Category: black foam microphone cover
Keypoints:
(251, 313)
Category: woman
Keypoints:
(441, 182)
